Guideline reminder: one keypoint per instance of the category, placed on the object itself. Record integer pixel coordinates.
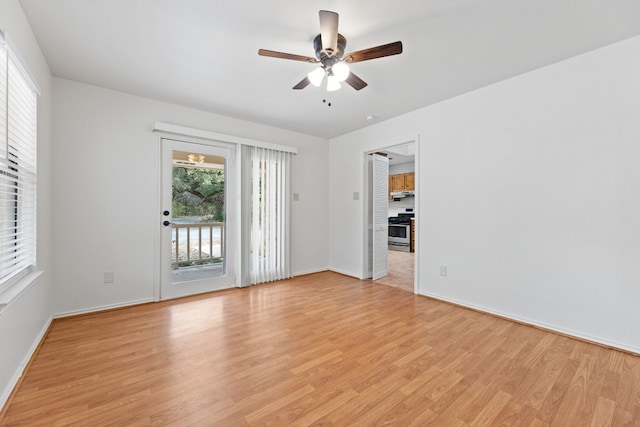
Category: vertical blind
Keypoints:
(18, 118)
(270, 213)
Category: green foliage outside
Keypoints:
(198, 193)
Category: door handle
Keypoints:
(166, 213)
(166, 223)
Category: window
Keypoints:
(18, 108)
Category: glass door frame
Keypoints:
(166, 289)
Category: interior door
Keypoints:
(196, 207)
(380, 215)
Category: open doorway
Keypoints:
(400, 207)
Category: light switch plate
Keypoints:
(443, 271)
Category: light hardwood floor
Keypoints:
(322, 349)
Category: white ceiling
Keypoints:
(203, 53)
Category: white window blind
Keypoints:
(18, 118)
(268, 173)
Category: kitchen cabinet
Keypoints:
(402, 182)
(410, 181)
(398, 182)
(413, 235)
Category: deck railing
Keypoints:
(191, 245)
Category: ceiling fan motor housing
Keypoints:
(329, 58)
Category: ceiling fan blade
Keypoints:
(303, 83)
(329, 32)
(282, 55)
(394, 48)
(355, 82)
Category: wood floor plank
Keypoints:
(322, 349)
(320, 408)
(603, 413)
(491, 410)
(543, 375)
(277, 403)
(461, 406)
(550, 405)
(410, 410)
(514, 414)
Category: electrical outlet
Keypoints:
(443, 271)
(108, 277)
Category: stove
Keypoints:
(402, 218)
(400, 232)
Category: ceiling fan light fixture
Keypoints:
(333, 83)
(341, 71)
(316, 76)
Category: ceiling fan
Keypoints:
(329, 46)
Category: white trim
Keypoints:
(213, 136)
(346, 273)
(157, 241)
(417, 210)
(244, 202)
(102, 308)
(14, 290)
(315, 270)
(19, 61)
(20, 370)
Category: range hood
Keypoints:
(402, 194)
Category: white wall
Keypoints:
(107, 192)
(401, 205)
(528, 193)
(26, 318)
(402, 168)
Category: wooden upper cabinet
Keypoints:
(410, 181)
(397, 182)
(402, 182)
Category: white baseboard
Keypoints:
(335, 270)
(20, 370)
(542, 325)
(101, 308)
(302, 273)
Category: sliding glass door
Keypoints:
(196, 203)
